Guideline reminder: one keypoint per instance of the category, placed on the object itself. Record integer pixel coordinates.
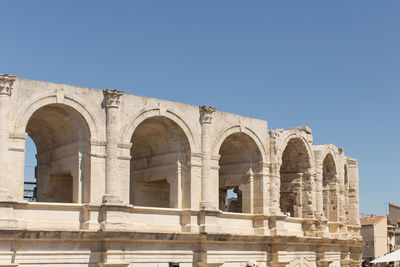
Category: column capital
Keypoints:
(352, 163)
(206, 113)
(111, 97)
(6, 83)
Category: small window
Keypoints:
(173, 264)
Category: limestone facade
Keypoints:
(125, 180)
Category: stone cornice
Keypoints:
(104, 235)
(6, 83)
(206, 113)
(112, 97)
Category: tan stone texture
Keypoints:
(125, 180)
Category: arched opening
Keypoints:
(62, 137)
(329, 188)
(29, 170)
(293, 172)
(239, 162)
(158, 174)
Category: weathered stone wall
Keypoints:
(157, 172)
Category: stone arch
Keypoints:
(159, 174)
(62, 138)
(330, 186)
(134, 121)
(332, 150)
(304, 143)
(295, 170)
(239, 129)
(240, 160)
(26, 110)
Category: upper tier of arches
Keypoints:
(163, 145)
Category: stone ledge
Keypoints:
(120, 236)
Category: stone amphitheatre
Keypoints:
(126, 180)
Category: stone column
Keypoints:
(251, 189)
(113, 183)
(247, 190)
(352, 166)
(6, 83)
(178, 204)
(206, 183)
(319, 200)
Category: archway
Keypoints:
(294, 171)
(239, 162)
(329, 188)
(158, 174)
(62, 140)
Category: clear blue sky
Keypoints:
(331, 65)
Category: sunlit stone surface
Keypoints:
(124, 180)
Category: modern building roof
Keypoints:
(397, 206)
(371, 220)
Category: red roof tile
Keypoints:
(371, 220)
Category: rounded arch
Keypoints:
(240, 159)
(27, 109)
(61, 135)
(241, 148)
(331, 151)
(302, 142)
(330, 186)
(159, 133)
(238, 129)
(56, 124)
(329, 167)
(136, 120)
(158, 168)
(295, 163)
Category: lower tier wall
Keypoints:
(117, 249)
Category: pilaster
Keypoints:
(318, 184)
(275, 183)
(6, 86)
(352, 165)
(275, 180)
(308, 195)
(261, 190)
